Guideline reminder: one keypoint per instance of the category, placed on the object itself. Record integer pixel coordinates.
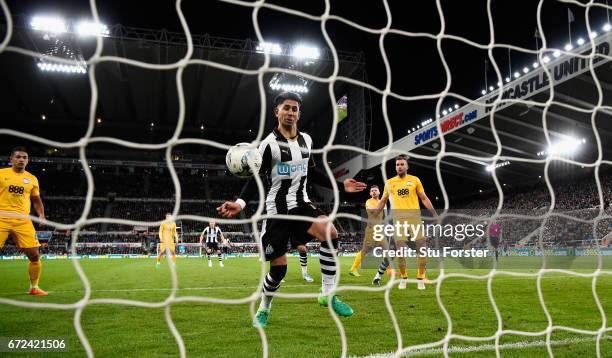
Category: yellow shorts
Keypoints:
(22, 231)
(162, 246)
(368, 238)
(415, 233)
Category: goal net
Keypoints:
(505, 90)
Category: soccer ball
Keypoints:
(242, 160)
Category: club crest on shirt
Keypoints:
(409, 183)
(26, 181)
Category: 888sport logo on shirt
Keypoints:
(15, 189)
(405, 191)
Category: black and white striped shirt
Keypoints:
(212, 235)
(286, 168)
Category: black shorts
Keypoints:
(295, 242)
(276, 233)
(212, 245)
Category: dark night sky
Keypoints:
(415, 63)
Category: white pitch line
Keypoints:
(157, 289)
(497, 278)
(486, 347)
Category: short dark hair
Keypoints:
(374, 186)
(283, 96)
(402, 157)
(18, 149)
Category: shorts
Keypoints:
(412, 222)
(212, 245)
(162, 246)
(276, 233)
(22, 231)
(368, 238)
(294, 242)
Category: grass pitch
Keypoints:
(298, 327)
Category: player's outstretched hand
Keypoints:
(354, 186)
(229, 209)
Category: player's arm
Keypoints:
(426, 202)
(321, 178)
(382, 202)
(222, 237)
(229, 209)
(381, 205)
(175, 234)
(202, 236)
(161, 232)
(37, 201)
(38, 206)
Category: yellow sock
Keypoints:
(421, 272)
(403, 273)
(158, 259)
(422, 262)
(34, 269)
(174, 258)
(357, 261)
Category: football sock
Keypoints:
(34, 270)
(328, 265)
(383, 267)
(402, 267)
(271, 284)
(304, 262)
(422, 262)
(357, 261)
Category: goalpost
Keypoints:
(441, 346)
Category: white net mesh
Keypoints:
(440, 346)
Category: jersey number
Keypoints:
(16, 189)
(402, 192)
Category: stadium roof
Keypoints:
(134, 100)
(519, 124)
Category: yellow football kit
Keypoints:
(15, 192)
(373, 219)
(403, 193)
(167, 233)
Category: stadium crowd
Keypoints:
(147, 194)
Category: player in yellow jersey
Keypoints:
(404, 192)
(369, 243)
(167, 235)
(17, 189)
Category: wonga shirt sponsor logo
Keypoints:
(288, 169)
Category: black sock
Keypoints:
(383, 266)
(328, 265)
(271, 284)
(303, 259)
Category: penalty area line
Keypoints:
(486, 347)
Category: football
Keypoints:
(242, 160)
